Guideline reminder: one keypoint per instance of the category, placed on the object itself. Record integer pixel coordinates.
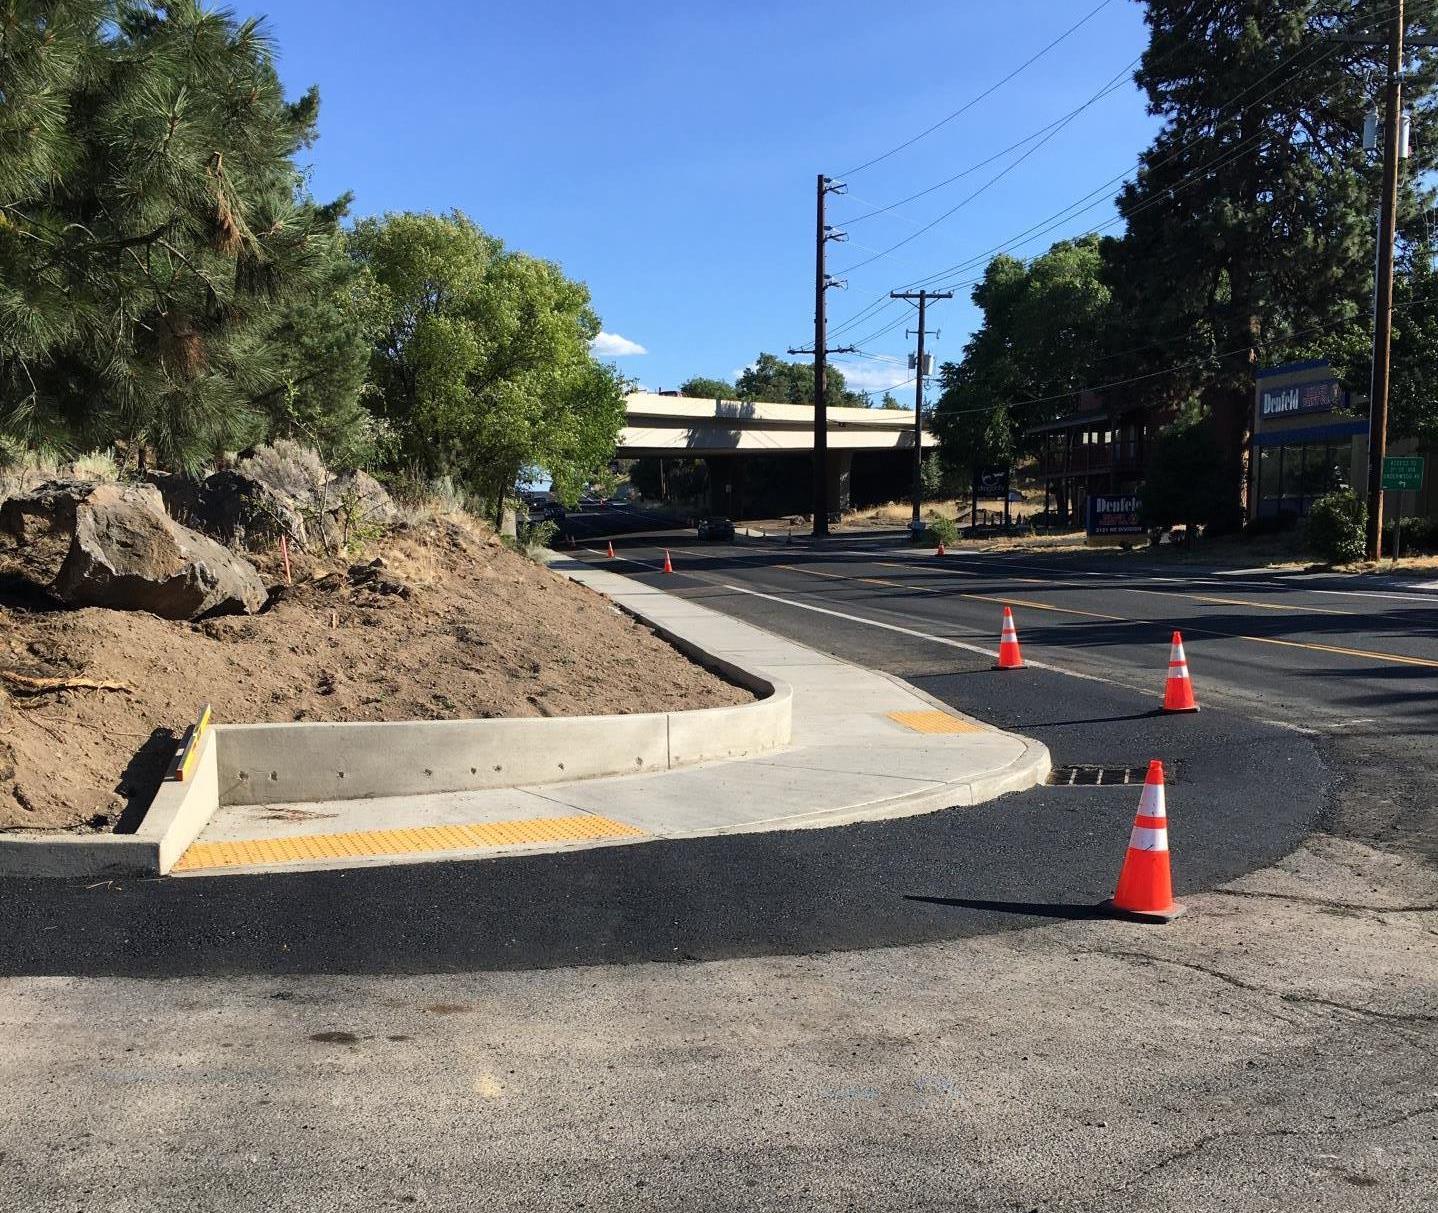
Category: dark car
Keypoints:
(716, 528)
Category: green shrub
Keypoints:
(1416, 535)
(1335, 527)
(939, 529)
(535, 534)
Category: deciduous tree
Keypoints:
(483, 367)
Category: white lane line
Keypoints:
(1289, 582)
(929, 636)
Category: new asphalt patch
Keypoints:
(1247, 795)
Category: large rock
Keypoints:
(46, 511)
(282, 489)
(126, 553)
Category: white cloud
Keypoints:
(612, 345)
(876, 377)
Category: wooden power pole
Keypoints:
(1383, 311)
(918, 491)
(823, 233)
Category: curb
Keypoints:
(257, 764)
(179, 811)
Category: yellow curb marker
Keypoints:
(935, 722)
(408, 841)
(184, 763)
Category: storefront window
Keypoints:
(1292, 478)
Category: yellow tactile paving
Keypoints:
(934, 722)
(405, 841)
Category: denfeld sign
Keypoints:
(1321, 397)
(1118, 515)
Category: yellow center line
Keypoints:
(1326, 648)
(1244, 602)
(1192, 629)
(927, 589)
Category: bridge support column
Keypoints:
(726, 485)
(841, 465)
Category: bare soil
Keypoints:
(452, 624)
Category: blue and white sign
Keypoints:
(1116, 515)
(1322, 397)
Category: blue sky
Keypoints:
(666, 153)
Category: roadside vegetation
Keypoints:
(171, 293)
(1244, 240)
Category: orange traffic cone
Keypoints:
(1010, 658)
(611, 549)
(1145, 886)
(668, 564)
(1178, 692)
(941, 551)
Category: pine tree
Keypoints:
(154, 232)
(1251, 222)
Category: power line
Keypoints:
(993, 88)
(1036, 231)
(1112, 86)
(1105, 91)
(881, 303)
(1046, 226)
(1195, 364)
(1283, 64)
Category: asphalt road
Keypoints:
(1283, 670)
(1353, 667)
(346, 1041)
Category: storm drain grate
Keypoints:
(1100, 776)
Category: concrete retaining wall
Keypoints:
(255, 764)
(278, 763)
(174, 820)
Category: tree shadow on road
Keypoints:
(1036, 909)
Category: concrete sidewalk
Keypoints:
(865, 746)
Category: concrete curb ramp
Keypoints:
(269, 764)
(865, 746)
(173, 821)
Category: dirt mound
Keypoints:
(448, 624)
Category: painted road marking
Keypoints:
(1361, 654)
(407, 841)
(1364, 654)
(1262, 606)
(927, 589)
(934, 721)
(903, 631)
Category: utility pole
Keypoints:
(923, 297)
(823, 233)
(1383, 312)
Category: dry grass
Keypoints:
(898, 513)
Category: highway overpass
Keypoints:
(750, 446)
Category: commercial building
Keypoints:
(1310, 436)
(1102, 448)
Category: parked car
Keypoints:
(716, 528)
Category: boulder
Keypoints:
(282, 489)
(126, 553)
(47, 510)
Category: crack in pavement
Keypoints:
(1413, 1018)
(1319, 901)
(1281, 1131)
